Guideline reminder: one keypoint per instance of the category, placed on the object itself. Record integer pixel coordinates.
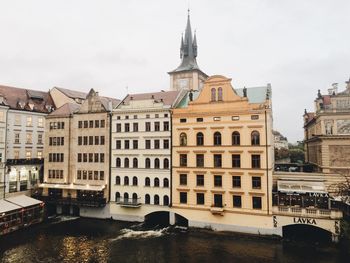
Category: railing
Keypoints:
(307, 212)
(93, 202)
(129, 202)
(25, 161)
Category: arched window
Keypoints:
(126, 197)
(126, 162)
(135, 163)
(217, 138)
(220, 94)
(200, 139)
(117, 180)
(183, 139)
(134, 180)
(117, 197)
(126, 180)
(255, 138)
(156, 182)
(156, 199)
(147, 199)
(166, 163)
(148, 163)
(213, 94)
(165, 182)
(166, 200)
(156, 163)
(118, 162)
(147, 181)
(134, 198)
(236, 138)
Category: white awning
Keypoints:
(23, 200)
(7, 206)
(300, 187)
(86, 187)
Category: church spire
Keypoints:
(188, 48)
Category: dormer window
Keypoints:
(21, 104)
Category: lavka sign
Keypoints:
(302, 220)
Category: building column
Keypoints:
(171, 218)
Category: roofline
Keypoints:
(187, 70)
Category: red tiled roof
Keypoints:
(21, 99)
(168, 97)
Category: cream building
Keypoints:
(141, 154)
(77, 167)
(223, 157)
(327, 132)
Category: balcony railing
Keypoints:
(91, 202)
(31, 161)
(129, 202)
(307, 212)
(217, 210)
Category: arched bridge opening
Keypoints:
(306, 233)
(164, 219)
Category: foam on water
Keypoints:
(60, 219)
(127, 233)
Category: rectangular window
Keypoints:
(84, 175)
(217, 118)
(91, 140)
(183, 179)
(148, 126)
(199, 119)
(29, 121)
(254, 117)
(40, 138)
(217, 160)
(102, 175)
(183, 120)
(156, 115)
(40, 122)
(85, 140)
(237, 201)
(235, 118)
(79, 157)
(147, 116)
(236, 181)
(96, 158)
(17, 119)
(80, 140)
(95, 175)
(97, 140)
(148, 144)
(236, 160)
(166, 126)
(28, 154)
(97, 123)
(256, 202)
(119, 127)
(91, 124)
(217, 180)
(118, 144)
(200, 160)
(255, 161)
(16, 154)
(126, 127)
(183, 197)
(166, 144)
(118, 117)
(183, 160)
(127, 117)
(200, 180)
(91, 157)
(135, 127)
(126, 144)
(256, 182)
(85, 157)
(157, 126)
(79, 174)
(135, 144)
(156, 144)
(103, 123)
(86, 124)
(39, 154)
(102, 157)
(16, 137)
(90, 175)
(80, 125)
(135, 116)
(200, 198)
(29, 137)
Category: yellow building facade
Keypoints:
(223, 155)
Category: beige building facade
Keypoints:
(223, 156)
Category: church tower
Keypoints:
(188, 75)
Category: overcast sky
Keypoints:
(297, 46)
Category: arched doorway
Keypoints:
(306, 233)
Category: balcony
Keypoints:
(217, 210)
(307, 212)
(31, 161)
(91, 202)
(129, 202)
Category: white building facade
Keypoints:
(141, 154)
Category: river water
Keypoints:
(89, 240)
